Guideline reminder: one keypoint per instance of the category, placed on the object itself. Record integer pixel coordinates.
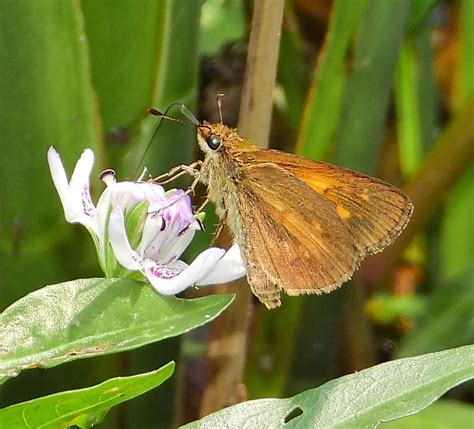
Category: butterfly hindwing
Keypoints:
(297, 244)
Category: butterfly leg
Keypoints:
(193, 184)
(201, 207)
(178, 171)
(190, 190)
(220, 225)
(216, 233)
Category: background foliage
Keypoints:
(386, 88)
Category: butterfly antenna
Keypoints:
(219, 106)
(155, 112)
(191, 118)
(162, 116)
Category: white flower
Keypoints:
(140, 227)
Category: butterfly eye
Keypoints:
(213, 142)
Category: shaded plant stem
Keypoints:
(228, 344)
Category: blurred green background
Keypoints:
(382, 87)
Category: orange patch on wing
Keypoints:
(343, 213)
(317, 185)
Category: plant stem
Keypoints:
(228, 345)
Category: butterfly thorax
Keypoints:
(220, 174)
(221, 169)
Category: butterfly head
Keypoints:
(215, 138)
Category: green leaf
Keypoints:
(175, 81)
(293, 75)
(362, 400)
(441, 415)
(324, 103)
(415, 98)
(386, 309)
(367, 93)
(83, 407)
(448, 321)
(139, 67)
(46, 99)
(457, 234)
(91, 317)
(427, 92)
(123, 43)
(222, 22)
(408, 108)
(466, 68)
(419, 12)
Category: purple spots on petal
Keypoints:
(164, 272)
(87, 206)
(172, 217)
(176, 210)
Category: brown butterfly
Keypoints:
(302, 226)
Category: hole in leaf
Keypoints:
(295, 412)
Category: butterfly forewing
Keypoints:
(374, 211)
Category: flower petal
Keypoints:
(150, 244)
(59, 177)
(173, 248)
(159, 276)
(169, 227)
(123, 252)
(76, 202)
(79, 183)
(230, 267)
